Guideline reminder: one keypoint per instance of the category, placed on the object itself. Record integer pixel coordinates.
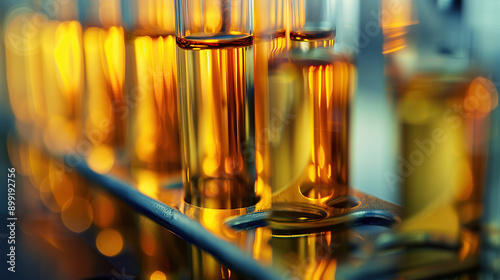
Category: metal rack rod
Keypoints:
(177, 223)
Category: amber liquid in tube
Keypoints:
(62, 55)
(216, 113)
(266, 48)
(24, 82)
(310, 97)
(444, 122)
(153, 104)
(105, 100)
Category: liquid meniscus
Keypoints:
(214, 41)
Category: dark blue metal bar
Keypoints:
(176, 222)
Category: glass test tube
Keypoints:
(105, 100)
(490, 248)
(481, 18)
(444, 116)
(152, 85)
(312, 23)
(44, 74)
(309, 106)
(310, 92)
(215, 60)
(444, 134)
(270, 41)
(62, 60)
(23, 62)
(153, 142)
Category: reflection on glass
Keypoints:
(395, 18)
(308, 118)
(254, 241)
(313, 256)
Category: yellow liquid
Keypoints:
(204, 265)
(309, 103)
(62, 60)
(23, 62)
(105, 121)
(216, 114)
(153, 104)
(443, 151)
(264, 51)
(313, 256)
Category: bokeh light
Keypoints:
(158, 275)
(109, 242)
(77, 214)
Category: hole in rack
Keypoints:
(344, 202)
(296, 213)
(319, 192)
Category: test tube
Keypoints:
(271, 19)
(490, 248)
(44, 73)
(23, 63)
(216, 101)
(441, 164)
(444, 111)
(310, 96)
(480, 17)
(62, 60)
(312, 23)
(154, 142)
(308, 113)
(105, 100)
